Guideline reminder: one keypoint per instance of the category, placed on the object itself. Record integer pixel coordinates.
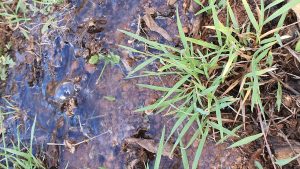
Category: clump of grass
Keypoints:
(5, 62)
(16, 155)
(209, 73)
(15, 13)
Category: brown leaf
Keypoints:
(196, 23)
(152, 25)
(2, 130)
(150, 11)
(186, 5)
(171, 2)
(284, 151)
(151, 146)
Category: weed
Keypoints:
(205, 71)
(110, 58)
(17, 155)
(5, 62)
(15, 13)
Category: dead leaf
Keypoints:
(150, 11)
(186, 5)
(196, 23)
(151, 146)
(152, 25)
(171, 2)
(2, 130)
(284, 151)
(71, 105)
(125, 59)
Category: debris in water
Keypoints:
(151, 146)
(152, 25)
(171, 2)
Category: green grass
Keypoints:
(205, 71)
(16, 154)
(5, 63)
(110, 58)
(15, 13)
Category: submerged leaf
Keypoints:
(94, 59)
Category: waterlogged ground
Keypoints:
(81, 124)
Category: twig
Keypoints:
(97, 82)
(293, 53)
(223, 120)
(76, 144)
(265, 137)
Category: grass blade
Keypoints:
(274, 3)
(181, 33)
(165, 103)
(32, 134)
(157, 88)
(177, 124)
(200, 148)
(184, 130)
(174, 88)
(282, 10)
(258, 165)
(232, 16)
(184, 157)
(251, 15)
(202, 43)
(246, 140)
(142, 65)
(159, 150)
(219, 118)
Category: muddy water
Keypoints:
(54, 82)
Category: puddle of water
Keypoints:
(45, 88)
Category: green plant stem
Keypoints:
(101, 73)
(3, 138)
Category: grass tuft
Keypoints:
(206, 71)
(16, 155)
